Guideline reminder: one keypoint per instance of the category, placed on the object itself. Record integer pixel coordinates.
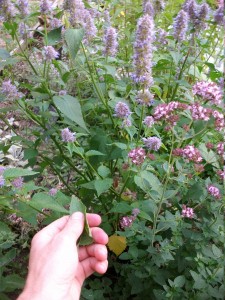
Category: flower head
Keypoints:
(137, 156)
(17, 182)
(45, 7)
(122, 110)
(187, 212)
(10, 91)
(209, 91)
(180, 26)
(143, 49)
(50, 53)
(149, 121)
(53, 191)
(23, 6)
(110, 42)
(2, 181)
(145, 98)
(192, 154)
(152, 143)
(214, 191)
(68, 136)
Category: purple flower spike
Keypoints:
(152, 143)
(122, 110)
(67, 135)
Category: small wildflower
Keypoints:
(214, 191)
(135, 212)
(126, 221)
(10, 91)
(45, 7)
(151, 156)
(50, 53)
(122, 110)
(220, 148)
(180, 26)
(219, 120)
(17, 182)
(192, 154)
(145, 98)
(55, 23)
(209, 145)
(219, 16)
(209, 91)
(2, 169)
(152, 143)
(62, 93)
(2, 181)
(23, 6)
(110, 42)
(187, 212)
(137, 156)
(52, 192)
(126, 123)
(67, 135)
(221, 174)
(149, 121)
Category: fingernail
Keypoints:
(77, 216)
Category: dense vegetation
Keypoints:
(120, 105)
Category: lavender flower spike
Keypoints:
(152, 143)
(180, 26)
(50, 53)
(45, 7)
(143, 48)
(110, 42)
(23, 7)
(67, 135)
(122, 110)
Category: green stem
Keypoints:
(99, 92)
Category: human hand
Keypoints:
(57, 266)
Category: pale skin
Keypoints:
(57, 266)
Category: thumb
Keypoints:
(75, 225)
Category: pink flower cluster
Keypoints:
(220, 148)
(189, 152)
(192, 154)
(166, 111)
(137, 156)
(187, 212)
(127, 221)
(214, 191)
(199, 112)
(68, 136)
(219, 120)
(209, 91)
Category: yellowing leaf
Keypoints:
(117, 244)
(122, 13)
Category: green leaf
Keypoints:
(8, 257)
(18, 172)
(103, 171)
(43, 200)
(77, 205)
(4, 54)
(146, 181)
(216, 251)
(199, 282)
(179, 281)
(70, 107)
(54, 36)
(13, 282)
(121, 207)
(73, 39)
(93, 153)
(102, 185)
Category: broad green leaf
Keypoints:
(8, 257)
(146, 181)
(121, 207)
(73, 39)
(43, 200)
(70, 107)
(103, 171)
(18, 172)
(77, 205)
(117, 244)
(199, 282)
(13, 282)
(93, 153)
(102, 185)
(179, 281)
(54, 36)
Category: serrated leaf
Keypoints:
(179, 281)
(43, 200)
(117, 244)
(102, 185)
(73, 39)
(146, 181)
(86, 237)
(18, 172)
(70, 107)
